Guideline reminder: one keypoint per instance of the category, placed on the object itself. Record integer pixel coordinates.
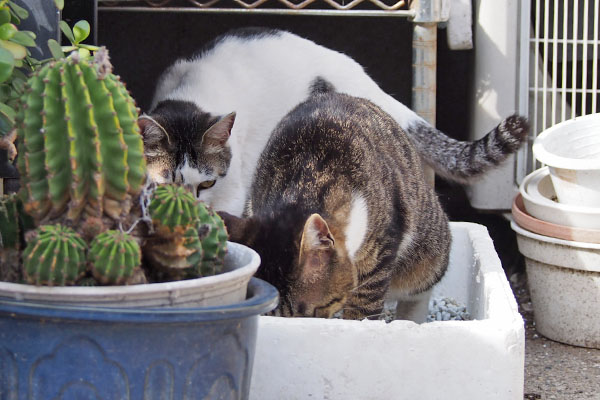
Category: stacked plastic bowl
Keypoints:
(557, 221)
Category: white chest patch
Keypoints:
(356, 230)
(189, 175)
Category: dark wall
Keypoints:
(142, 45)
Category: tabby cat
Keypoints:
(341, 214)
(213, 114)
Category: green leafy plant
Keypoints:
(15, 63)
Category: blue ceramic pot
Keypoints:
(80, 353)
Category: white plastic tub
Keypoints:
(572, 151)
(307, 358)
(564, 281)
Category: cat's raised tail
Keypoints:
(464, 161)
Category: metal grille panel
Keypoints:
(401, 6)
(564, 65)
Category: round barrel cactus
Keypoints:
(173, 209)
(55, 256)
(114, 257)
(80, 148)
(189, 236)
(213, 236)
(176, 256)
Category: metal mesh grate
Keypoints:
(257, 5)
(564, 65)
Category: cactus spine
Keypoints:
(79, 143)
(56, 256)
(114, 257)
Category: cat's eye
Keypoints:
(206, 185)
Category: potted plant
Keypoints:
(168, 308)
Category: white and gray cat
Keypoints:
(212, 114)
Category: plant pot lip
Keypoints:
(587, 237)
(543, 208)
(552, 240)
(537, 176)
(19, 290)
(556, 161)
(262, 297)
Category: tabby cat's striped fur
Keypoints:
(340, 213)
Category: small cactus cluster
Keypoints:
(56, 255)
(188, 241)
(80, 145)
(82, 168)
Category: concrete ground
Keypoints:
(552, 370)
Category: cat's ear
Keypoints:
(237, 228)
(215, 138)
(152, 131)
(316, 247)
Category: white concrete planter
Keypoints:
(564, 281)
(308, 358)
(229, 287)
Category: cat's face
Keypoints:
(183, 144)
(312, 272)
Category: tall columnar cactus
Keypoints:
(80, 150)
(114, 257)
(55, 256)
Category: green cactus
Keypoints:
(173, 209)
(80, 150)
(9, 222)
(213, 236)
(190, 239)
(9, 238)
(175, 257)
(55, 256)
(114, 257)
